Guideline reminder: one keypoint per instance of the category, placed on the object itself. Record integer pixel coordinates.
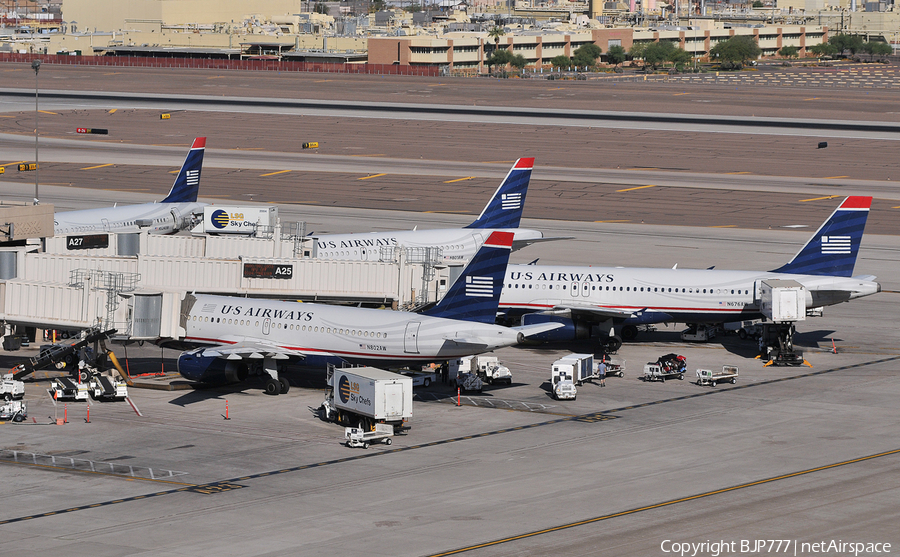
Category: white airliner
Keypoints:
(243, 336)
(502, 212)
(618, 299)
(170, 215)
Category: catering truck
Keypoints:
(364, 396)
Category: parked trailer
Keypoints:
(357, 437)
(580, 366)
(614, 366)
(712, 378)
(366, 396)
(655, 372)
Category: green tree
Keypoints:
(877, 48)
(788, 51)
(377, 6)
(500, 57)
(518, 61)
(758, 4)
(412, 8)
(586, 55)
(823, 49)
(735, 52)
(321, 8)
(561, 61)
(637, 51)
(657, 54)
(843, 42)
(615, 55)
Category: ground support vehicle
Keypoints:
(668, 366)
(562, 380)
(655, 372)
(357, 437)
(712, 378)
(366, 396)
(15, 410)
(581, 367)
(488, 368)
(420, 378)
(11, 388)
(614, 366)
(64, 388)
(105, 387)
(699, 333)
(469, 382)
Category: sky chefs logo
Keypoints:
(510, 201)
(835, 245)
(479, 287)
(344, 389)
(220, 218)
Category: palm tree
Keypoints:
(495, 34)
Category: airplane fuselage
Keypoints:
(328, 332)
(456, 244)
(667, 295)
(155, 218)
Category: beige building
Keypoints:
(467, 50)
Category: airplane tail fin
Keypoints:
(504, 210)
(832, 250)
(476, 293)
(187, 184)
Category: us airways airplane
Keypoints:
(618, 299)
(170, 215)
(502, 212)
(240, 336)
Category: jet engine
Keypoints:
(194, 365)
(572, 330)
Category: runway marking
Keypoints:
(12, 163)
(216, 77)
(637, 188)
(48, 112)
(113, 111)
(373, 155)
(664, 504)
(620, 220)
(460, 179)
(594, 417)
(725, 226)
(680, 94)
(322, 81)
(273, 173)
(820, 198)
(834, 178)
(98, 166)
(372, 176)
(812, 99)
(735, 173)
(8, 116)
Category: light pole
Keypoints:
(36, 65)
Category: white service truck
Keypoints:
(562, 386)
(488, 368)
(11, 388)
(364, 396)
(713, 378)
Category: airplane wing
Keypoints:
(251, 350)
(519, 244)
(596, 312)
(537, 328)
(467, 343)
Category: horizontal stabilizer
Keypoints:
(537, 328)
(519, 244)
(473, 345)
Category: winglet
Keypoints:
(832, 250)
(476, 293)
(504, 210)
(187, 184)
